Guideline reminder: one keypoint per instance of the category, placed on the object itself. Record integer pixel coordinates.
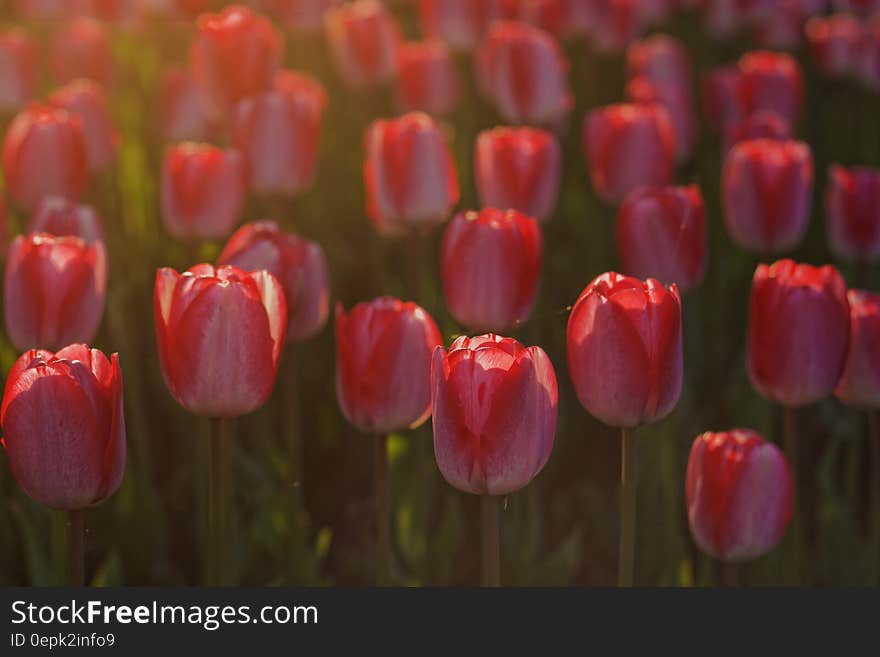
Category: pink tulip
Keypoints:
(88, 100)
(364, 38)
(771, 81)
(427, 79)
(183, 117)
(18, 69)
(678, 104)
(722, 105)
(859, 384)
(81, 49)
(760, 125)
(60, 216)
(852, 211)
(661, 59)
(460, 23)
(299, 15)
(836, 43)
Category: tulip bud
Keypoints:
(18, 69)
(798, 332)
(220, 332)
(88, 100)
(202, 191)
(460, 23)
(760, 125)
(495, 410)
(676, 100)
(409, 174)
(661, 59)
(58, 216)
(739, 494)
(277, 133)
(235, 54)
(64, 426)
(490, 263)
(628, 146)
(182, 114)
(81, 49)
(771, 81)
(767, 187)
(54, 290)
(625, 350)
(518, 168)
(44, 154)
(661, 233)
(297, 263)
(852, 211)
(383, 364)
(836, 43)
(859, 384)
(427, 80)
(364, 38)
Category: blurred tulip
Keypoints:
(43, 10)
(863, 8)
(739, 494)
(771, 81)
(760, 125)
(661, 59)
(297, 263)
(490, 263)
(81, 49)
(625, 349)
(364, 39)
(54, 290)
(409, 174)
(202, 191)
(234, 54)
(852, 211)
(836, 43)
(278, 132)
(383, 364)
(427, 79)
(548, 15)
(798, 332)
(661, 233)
(518, 168)
(722, 106)
(44, 154)
(495, 409)
(678, 104)
(88, 100)
(18, 69)
(460, 23)
(220, 332)
(628, 146)
(182, 114)
(859, 384)
(783, 26)
(64, 426)
(618, 24)
(299, 15)
(59, 216)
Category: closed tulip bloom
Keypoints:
(88, 100)
(220, 332)
(64, 426)
(182, 114)
(628, 146)
(202, 191)
(383, 364)
(278, 133)
(760, 125)
(297, 263)
(59, 216)
(677, 102)
(44, 154)
(836, 43)
(721, 100)
(364, 39)
(618, 24)
(81, 49)
(771, 81)
(798, 332)
(460, 23)
(490, 263)
(234, 54)
(548, 15)
(852, 204)
(299, 15)
(495, 410)
(625, 350)
(409, 174)
(18, 69)
(739, 494)
(426, 80)
(54, 290)
(518, 168)
(661, 233)
(661, 59)
(767, 187)
(859, 384)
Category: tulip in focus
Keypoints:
(18, 69)
(81, 49)
(60, 216)
(427, 79)
(859, 384)
(364, 39)
(852, 212)
(88, 100)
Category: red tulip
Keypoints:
(661, 233)
(868, 67)
(88, 100)
(661, 59)
(582, 17)
(518, 168)
(625, 351)
(495, 409)
(859, 384)
(299, 15)
(760, 125)
(297, 263)
(81, 49)
(220, 332)
(383, 364)
(202, 191)
(409, 174)
(722, 105)
(235, 54)
(798, 332)
(364, 38)
(548, 15)
(277, 133)
(836, 43)
(460, 23)
(64, 426)
(771, 81)
(427, 80)
(54, 290)
(490, 263)
(863, 8)
(852, 211)
(767, 187)
(618, 23)
(783, 26)
(628, 146)
(44, 154)
(60, 216)
(678, 103)
(739, 494)
(182, 115)
(18, 69)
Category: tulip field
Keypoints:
(440, 293)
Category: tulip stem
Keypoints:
(491, 549)
(628, 483)
(76, 548)
(216, 500)
(383, 511)
(790, 442)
